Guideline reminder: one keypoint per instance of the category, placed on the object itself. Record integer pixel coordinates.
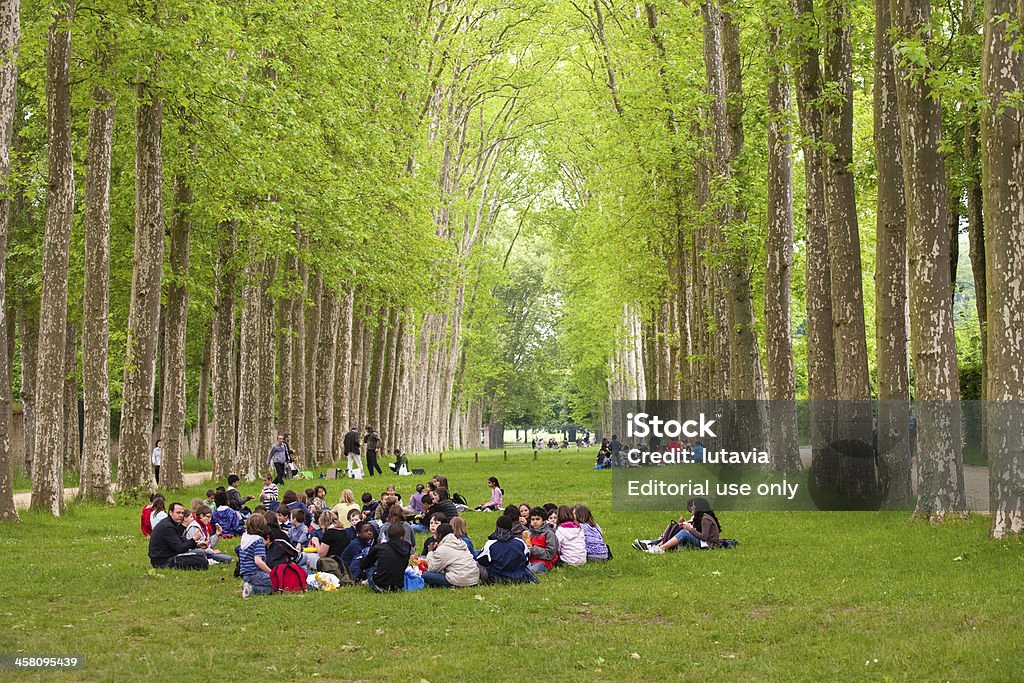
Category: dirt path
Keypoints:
(23, 500)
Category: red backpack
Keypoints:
(147, 528)
(288, 578)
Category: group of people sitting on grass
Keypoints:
(373, 542)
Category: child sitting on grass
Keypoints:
(593, 536)
(462, 532)
(299, 533)
(572, 547)
(356, 550)
(269, 494)
(230, 520)
(543, 542)
(389, 561)
(252, 553)
(505, 556)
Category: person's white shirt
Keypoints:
(156, 456)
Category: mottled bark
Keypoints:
(28, 332)
(268, 333)
(936, 382)
(248, 460)
(821, 347)
(224, 357)
(785, 449)
(172, 405)
(70, 432)
(387, 378)
(48, 475)
(343, 374)
(134, 470)
(355, 410)
(326, 358)
(297, 404)
(1002, 158)
(203, 398)
(313, 316)
(285, 334)
(10, 12)
(891, 334)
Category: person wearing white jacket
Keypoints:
(572, 543)
(450, 563)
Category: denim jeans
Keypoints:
(538, 567)
(685, 538)
(436, 580)
(260, 582)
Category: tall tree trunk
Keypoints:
(975, 206)
(285, 334)
(1002, 164)
(821, 347)
(248, 459)
(28, 331)
(313, 318)
(851, 356)
(890, 274)
(936, 383)
(268, 347)
(326, 360)
(144, 316)
(355, 410)
(10, 18)
(203, 399)
(48, 476)
(785, 449)
(172, 420)
(343, 374)
(70, 434)
(224, 357)
(297, 404)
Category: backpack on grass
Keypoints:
(727, 543)
(288, 578)
(459, 499)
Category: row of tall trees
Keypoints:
(717, 222)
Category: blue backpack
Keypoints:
(229, 522)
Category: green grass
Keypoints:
(806, 596)
(23, 483)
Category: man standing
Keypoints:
(278, 457)
(372, 442)
(169, 549)
(352, 451)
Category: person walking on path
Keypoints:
(372, 442)
(155, 458)
(352, 451)
(278, 457)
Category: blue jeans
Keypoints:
(436, 580)
(220, 557)
(260, 582)
(538, 567)
(420, 529)
(685, 538)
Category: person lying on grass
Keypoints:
(703, 532)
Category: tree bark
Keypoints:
(327, 350)
(297, 404)
(172, 420)
(224, 357)
(313, 317)
(48, 476)
(891, 334)
(343, 374)
(70, 434)
(134, 445)
(28, 330)
(203, 399)
(248, 461)
(1002, 159)
(10, 35)
(785, 449)
(936, 383)
(268, 347)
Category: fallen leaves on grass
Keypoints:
(634, 655)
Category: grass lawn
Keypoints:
(806, 596)
(23, 483)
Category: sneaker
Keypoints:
(211, 561)
(656, 550)
(246, 589)
(640, 545)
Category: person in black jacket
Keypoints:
(351, 445)
(167, 545)
(391, 559)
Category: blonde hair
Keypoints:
(348, 497)
(328, 519)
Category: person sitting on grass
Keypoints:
(279, 549)
(461, 531)
(346, 504)
(543, 542)
(431, 541)
(504, 557)
(397, 516)
(354, 517)
(230, 520)
(252, 554)
(416, 500)
(298, 535)
(389, 561)
(450, 563)
(369, 505)
(401, 464)
(200, 530)
(157, 511)
(572, 545)
(496, 496)
(356, 550)
(235, 499)
(443, 503)
(593, 536)
(168, 547)
(270, 492)
(703, 532)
